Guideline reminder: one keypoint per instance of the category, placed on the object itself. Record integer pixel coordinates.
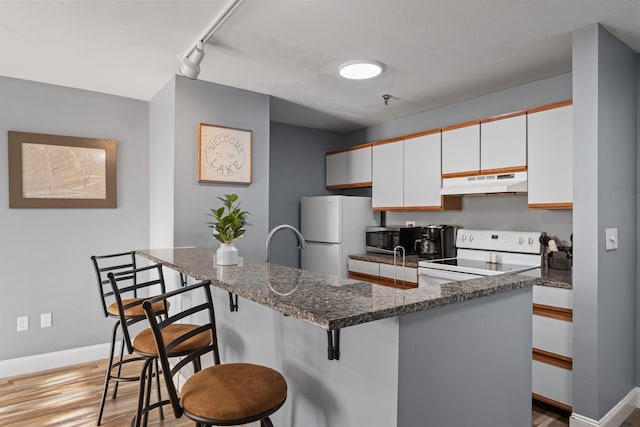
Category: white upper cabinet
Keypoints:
(388, 182)
(349, 168)
(422, 171)
(461, 149)
(336, 169)
(503, 143)
(550, 156)
(359, 166)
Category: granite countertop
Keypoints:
(550, 277)
(557, 278)
(325, 301)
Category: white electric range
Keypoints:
(483, 253)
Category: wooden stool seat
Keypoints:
(145, 344)
(233, 391)
(133, 308)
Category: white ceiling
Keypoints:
(436, 51)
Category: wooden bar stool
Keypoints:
(123, 266)
(222, 394)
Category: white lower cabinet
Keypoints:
(399, 273)
(366, 268)
(552, 382)
(552, 345)
(383, 274)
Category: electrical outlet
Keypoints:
(409, 223)
(23, 323)
(45, 320)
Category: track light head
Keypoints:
(190, 65)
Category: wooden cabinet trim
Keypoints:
(364, 277)
(548, 401)
(565, 205)
(344, 150)
(496, 171)
(560, 313)
(388, 208)
(460, 174)
(503, 116)
(550, 106)
(461, 125)
(387, 141)
(551, 358)
(386, 281)
(347, 186)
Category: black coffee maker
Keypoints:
(438, 241)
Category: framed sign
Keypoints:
(53, 171)
(224, 154)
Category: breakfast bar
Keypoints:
(408, 357)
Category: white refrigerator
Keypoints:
(334, 227)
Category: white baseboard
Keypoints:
(56, 359)
(615, 417)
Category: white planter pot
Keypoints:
(227, 254)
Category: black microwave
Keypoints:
(386, 239)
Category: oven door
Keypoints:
(433, 277)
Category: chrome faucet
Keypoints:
(301, 242)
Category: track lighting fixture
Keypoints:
(190, 64)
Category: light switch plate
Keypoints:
(611, 236)
(45, 320)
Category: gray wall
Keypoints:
(45, 252)
(161, 166)
(296, 169)
(202, 102)
(638, 238)
(605, 195)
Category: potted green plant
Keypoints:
(230, 222)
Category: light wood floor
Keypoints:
(70, 397)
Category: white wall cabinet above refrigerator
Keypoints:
(461, 149)
(349, 168)
(503, 144)
(407, 175)
(550, 157)
(388, 177)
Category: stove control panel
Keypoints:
(503, 241)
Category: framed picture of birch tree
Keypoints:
(54, 171)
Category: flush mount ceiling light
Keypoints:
(190, 64)
(360, 69)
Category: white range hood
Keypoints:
(511, 182)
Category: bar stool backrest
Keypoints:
(199, 292)
(128, 284)
(114, 263)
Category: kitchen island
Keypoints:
(456, 354)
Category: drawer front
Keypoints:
(553, 335)
(552, 382)
(364, 267)
(557, 297)
(410, 274)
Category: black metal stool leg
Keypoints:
(143, 392)
(157, 373)
(115, 386)
(107, 376)
(266, 422)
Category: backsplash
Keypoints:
(500, 212)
